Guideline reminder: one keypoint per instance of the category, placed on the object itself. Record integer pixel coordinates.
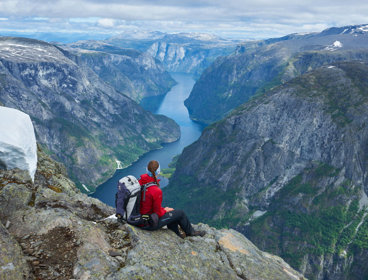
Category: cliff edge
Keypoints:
(50, 230)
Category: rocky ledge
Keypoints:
(49, 230)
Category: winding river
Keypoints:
(173, 107)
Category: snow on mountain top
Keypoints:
(25, 50)
(200, 36)
(18, 148)
(93, 43)
(363, 28)
(355, 29)
(156, 35)
(346, 30)
(138, 35)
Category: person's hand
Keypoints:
(168, 209)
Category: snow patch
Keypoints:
(363, 202)
(336, 45)
(258, 214)
(28, 51)
(18, 148)
(363, 28)
(361, 222)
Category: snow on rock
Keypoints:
(363, 28)
(18, 148)
(336, 45)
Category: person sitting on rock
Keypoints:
(167, 216)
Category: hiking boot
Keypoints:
(200, 233)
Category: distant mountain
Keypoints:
(182, 52)
(55, 36)
(258, 66)
(80, 119)
(289, 170)
(136, 74)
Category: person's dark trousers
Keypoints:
(173, 219)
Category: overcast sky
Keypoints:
(228, 18)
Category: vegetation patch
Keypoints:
(201, 203)
(168, 172)
(310, 215)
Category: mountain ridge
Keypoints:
(258, 66)
(178, 52)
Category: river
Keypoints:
(173, 107)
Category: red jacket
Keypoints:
(153, 201)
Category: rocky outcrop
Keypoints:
(55, 232)
(256, 67)
(12, 262)
(288, 169)
(80, 119)
(221, 254)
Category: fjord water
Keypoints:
(173, 107)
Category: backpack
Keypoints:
(128, 200)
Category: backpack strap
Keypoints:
(145, 187)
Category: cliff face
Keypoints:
(289, 169)
(80, 119)
(182, 52)
(49, 230)
(191, 57)
(133, 73)
(258, 66)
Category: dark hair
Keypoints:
(152, 167)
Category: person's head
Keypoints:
(154, 168)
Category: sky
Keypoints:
(240, 19)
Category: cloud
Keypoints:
(106, 22)
(261, 18)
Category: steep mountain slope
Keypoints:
(49, 230)
(84, 122)
(182, 52)
(258, 66)
(289, 169)
(190, 54)
(136, 74)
